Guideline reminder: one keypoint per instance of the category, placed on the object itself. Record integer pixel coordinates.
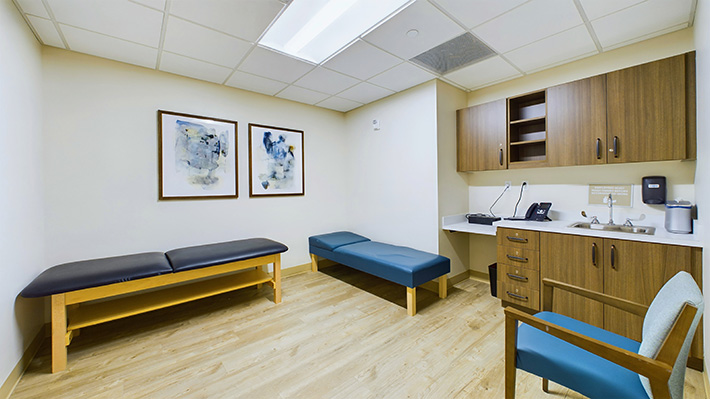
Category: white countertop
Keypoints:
(460, 224)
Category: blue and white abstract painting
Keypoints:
(198, 157)
(276, 156)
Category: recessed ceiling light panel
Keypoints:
(314, 30)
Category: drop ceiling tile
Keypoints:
(33, 7)
(302, 95)
(571, 44)
(475, 12)
(326, 81)
(365, 93)
(195, 41)
(339, 104)
(402, 77)
(599, 8)
(121, 19)
(484, 73)
(246, 19)
(269, 64)
(530, 22)
(157, 4)
(247, 81)
(185, 66)
(362, 60)
(46, 31)
(641, 20)
(434, 28)
(92, 43)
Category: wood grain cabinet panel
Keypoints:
(481, 137)
(576, 122)
(574, 260)
(647, 112)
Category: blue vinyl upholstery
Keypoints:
(549, 357)
(401, 265)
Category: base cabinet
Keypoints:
(626, 269)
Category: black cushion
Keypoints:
(96, 272)
(196, 257)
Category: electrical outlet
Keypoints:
(525, 185)
(508, 184)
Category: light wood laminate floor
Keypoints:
(338, 333)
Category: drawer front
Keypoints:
(519, 295)
(519, 257)
(514, 275)
(518, 238)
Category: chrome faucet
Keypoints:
(611, 210)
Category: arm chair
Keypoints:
(601, 364)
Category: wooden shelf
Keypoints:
(101, 312)
(528, 120)
(527, 164)
(528, 142)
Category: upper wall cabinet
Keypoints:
(647, 110)
(527, 130)
(480, 137)
(576, 122)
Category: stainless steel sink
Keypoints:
(615, 228)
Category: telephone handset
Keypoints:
(536, 212)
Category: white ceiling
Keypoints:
(215, 40)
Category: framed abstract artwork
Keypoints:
(276, 164)
(197, 157)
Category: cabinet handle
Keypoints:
(599, 148)
(516, 277)
(516, 296)
(517, 258)
(613, 256)
(594, 254)
(616, 146)
(516, 239)
(500, 157)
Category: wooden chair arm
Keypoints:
(623, 304)
(651, 368)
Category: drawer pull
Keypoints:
(516, 239)
(516, 296)
(613, 257)
(594, 254)
(516, 277)
(517, 258)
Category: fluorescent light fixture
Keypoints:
(314, 30)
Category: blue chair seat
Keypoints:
(549, 357)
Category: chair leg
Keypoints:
(510, 349)
(545, 385)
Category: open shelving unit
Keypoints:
(527, 130)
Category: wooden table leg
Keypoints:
(277, 279)
(443, 281)
(59, 333)
(314, 263)
(411, 301)
(263, 269)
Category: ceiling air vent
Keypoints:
(457, 53)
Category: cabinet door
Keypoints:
(480, 137)
(647, 112)
(576, 260)
(576, 122)
(637, 272)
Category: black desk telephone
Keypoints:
(536, 212)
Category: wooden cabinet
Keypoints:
(576, 122)
(480, 137)
(518, 267)
(579, 261)
(626, 269)
(648, 106)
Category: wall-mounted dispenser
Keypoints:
(653, 190)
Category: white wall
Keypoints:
(702, 175)
(452, 186)
(101, 170)
(392, 172)
(21, 218)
